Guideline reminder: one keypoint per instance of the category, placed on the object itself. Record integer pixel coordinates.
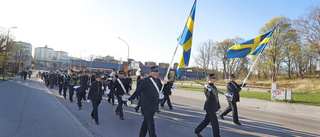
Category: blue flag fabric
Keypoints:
(185, 40)
(250, 47)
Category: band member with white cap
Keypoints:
(149, 100)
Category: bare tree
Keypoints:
(205, 56)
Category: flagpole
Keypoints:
(251, 68)
(166, 77)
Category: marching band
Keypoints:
(147, 93)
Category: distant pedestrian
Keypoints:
(25, 73)
(30, 73)
(233, 88)
(211, 106)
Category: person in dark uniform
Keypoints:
(29, 73)
(60, 81)
(51, 79)
(233, 88)
(84, 82)
(129, 80)
(93, 77)
(149, 96)
(65, 84)
(119, 89)
(95, 95)
(167, 92)
(138, 83)
(72, 82)
(211, 106)
(113, 76)
(25, 73)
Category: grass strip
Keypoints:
(298, 98)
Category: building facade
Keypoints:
(48, 58)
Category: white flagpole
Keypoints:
(251, 68)
(166, 77)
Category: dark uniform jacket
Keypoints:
(84, 82)
(167, 88)
(51, 78)
(212, 102)
(117, 88)
(233, 88)
(149, 97)
(95, 92)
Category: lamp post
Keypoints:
(6, 51)
(128, 51)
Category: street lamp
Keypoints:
(128, 51)
(6, 51)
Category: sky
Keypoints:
(150, 27)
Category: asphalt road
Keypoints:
(27, 108)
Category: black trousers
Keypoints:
(111, 97)
(51, 85)
(166, 98)
(119, 108)
(212, 118)
(147, 125)
(79, 97)
(71, 92)
(94, 113)
(60, 88)
(232, 107)
(65, 91)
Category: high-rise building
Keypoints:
(26, 54)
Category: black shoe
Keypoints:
(117, 113)
(97, 123)
(198, 134)
(112, 104)
(65, 97)
(71, 101)
(158, 111)
(162, 106)
(237, 123)
(136, 108)
(171, 108)
(109, 101)
(221, 116)
(121, 118)
(79, 108)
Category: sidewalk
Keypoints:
(29, 109)
(295, 109)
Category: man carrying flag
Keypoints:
(241, 50)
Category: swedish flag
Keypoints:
(185, 40)
(249, 47)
